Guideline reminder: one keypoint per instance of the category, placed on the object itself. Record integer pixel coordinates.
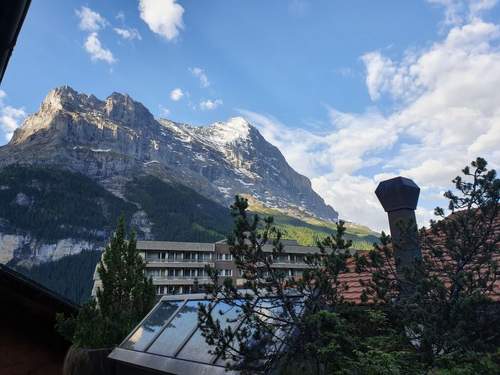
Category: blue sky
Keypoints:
(352, 92)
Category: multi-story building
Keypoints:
(179, 267)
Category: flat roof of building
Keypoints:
(289, 246)
(174, 245)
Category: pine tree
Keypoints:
(125, 297)
(446, 323)
(292, 325)
(449, 314)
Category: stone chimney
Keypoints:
(399, 197)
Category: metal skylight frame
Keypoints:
(164, 363)
(173, 364)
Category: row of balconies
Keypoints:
(167, 262)
(179, 277)
(178, 260)
(211, 259)
(181, 280)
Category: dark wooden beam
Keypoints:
(12, 15)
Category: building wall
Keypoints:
(179, 267)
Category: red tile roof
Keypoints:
(353, 280)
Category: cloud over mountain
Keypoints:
(444, 113)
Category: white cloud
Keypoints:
(10, 118)
(476, 7)
(176, 94)
(201, 75)
(128, 33)
(96, 51)
(164, 17)
(385, 76)
(208, 105)
(458, 12)
(354, 198)
(164, 111)
(346, 148)
(90, 20)
(445, 113)
(120, 16)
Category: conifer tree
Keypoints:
(449, 314)
(292, 325)
(124, 298)
(446, 324)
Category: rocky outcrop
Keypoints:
(118, 138)
(30, 250)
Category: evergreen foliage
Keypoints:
(302, 306)
(447, 309)
(52, 204)
(70, 276)
(179, 213)
(125, 297)
(445, 323)
(61, 204)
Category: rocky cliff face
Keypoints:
(114, 140)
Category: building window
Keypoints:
(226, 257)
(153, 272)
(195, 272)
(226, 273)
(204, 257)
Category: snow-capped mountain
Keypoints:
(114, 140)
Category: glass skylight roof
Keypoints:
(151, 325)
(177, 330)
(170, 340)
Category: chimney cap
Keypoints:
(398, 193)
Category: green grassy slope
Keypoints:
(308, 229)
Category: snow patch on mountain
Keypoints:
(222, 133)
(118, 138)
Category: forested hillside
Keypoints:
(51, 204)
(179, 213)
(71, 276)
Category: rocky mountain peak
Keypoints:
(236, 129)
(59, 98)
(115, 139)
(122, 108)
(66, 98)
(237, 124)
(117, 107)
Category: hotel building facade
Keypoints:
(179, 267)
